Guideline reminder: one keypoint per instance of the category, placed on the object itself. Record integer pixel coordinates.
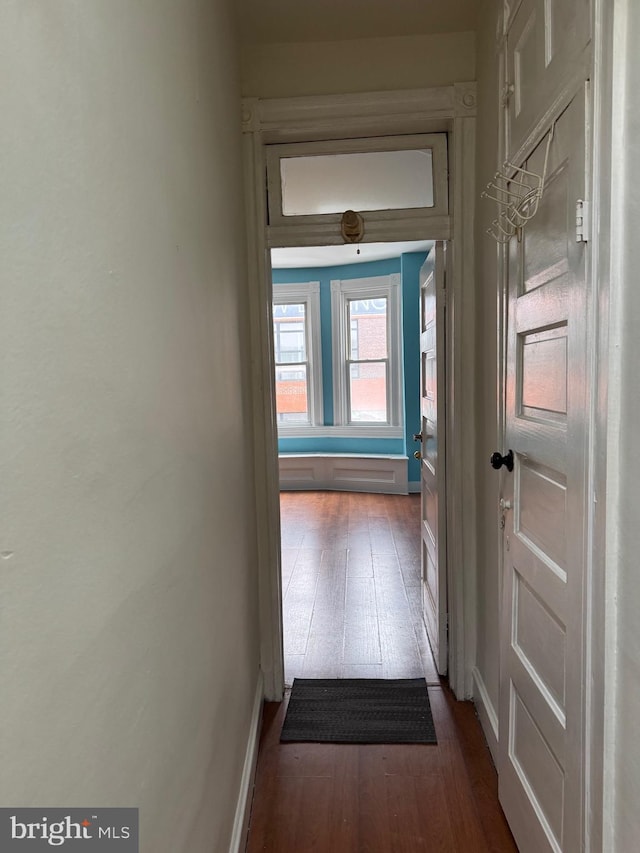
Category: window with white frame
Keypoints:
(298, 368)
(367, 360)
(391, 178)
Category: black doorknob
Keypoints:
(498, 460)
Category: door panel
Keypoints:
(546, 261)
(537, 763)
(542, 510)
(542, 658)
(539, 638)
(545, 41)
(432, 384)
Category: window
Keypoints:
(375, 180)
(364, 326)
(296, 343)
(367, 364)
(391, 179)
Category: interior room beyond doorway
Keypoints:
(346, 334)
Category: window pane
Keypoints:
(292, 400)
(368, 392)
(289, 337)
(379, 180)
(367, 328)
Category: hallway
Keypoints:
(356, 798)
(143, 163)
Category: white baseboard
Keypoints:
(243, 808)
(415, 488)
(344, 472)
(486, 713)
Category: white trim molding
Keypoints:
(265, 434)
(465, 99)
(446, 109)
(461, 412)
(486, 713)
(243, 808)
(386, 227)
(357, 115)
(356, 472)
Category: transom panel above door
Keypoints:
(398, 185)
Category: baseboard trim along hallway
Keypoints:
(486, 713)
(243, 809)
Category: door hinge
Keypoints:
(583, 223)
(507, 91)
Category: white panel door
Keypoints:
(544, 503)
(545, 41)
(432, 466)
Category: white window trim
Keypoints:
(309, 294)
(389, 287)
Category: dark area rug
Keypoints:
(359, 710)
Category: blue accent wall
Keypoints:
(408, 265)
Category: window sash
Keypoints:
(349, 387)
(343, 294)
(301, 366)
(307, 294)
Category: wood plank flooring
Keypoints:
(351, 587)
(348, 798)
(343, 798)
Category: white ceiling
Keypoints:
(272, 21)
(331, 256)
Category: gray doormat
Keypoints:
(359, 710)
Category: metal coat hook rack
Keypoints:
(517, 192)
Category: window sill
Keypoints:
(352, 431)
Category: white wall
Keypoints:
(486, 372)
(362, 65)
(129, 647)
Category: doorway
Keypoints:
(346, 339)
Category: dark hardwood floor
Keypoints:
(351, 587)
(351, 569)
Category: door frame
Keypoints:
(448, 109)
(436, 270)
